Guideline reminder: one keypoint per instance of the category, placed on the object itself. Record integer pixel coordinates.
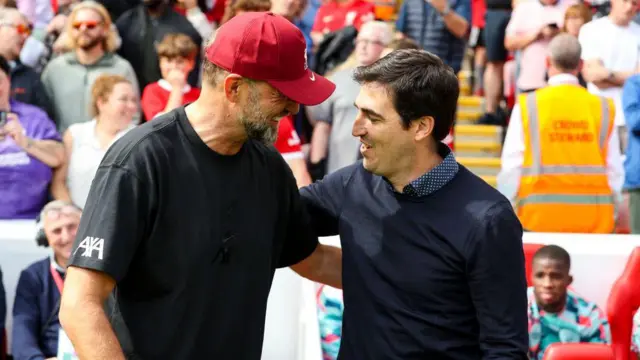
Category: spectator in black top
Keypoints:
(190, 214)
(433, 259)
(26, 86)
(144, 26)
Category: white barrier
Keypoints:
(291, 329)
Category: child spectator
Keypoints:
(177, 54)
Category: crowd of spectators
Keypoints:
(75, 76)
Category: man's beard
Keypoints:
(90, 44)
(256, 124)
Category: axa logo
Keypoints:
(91, 245)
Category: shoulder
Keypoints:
(480, 201)
(35, 270)
(138, 149)
(594, 25)
(634, 28)
(29, 113)
(353, 175)
(121, 62)
(81, 129)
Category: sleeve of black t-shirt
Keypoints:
(300, 240)
(113, 222)
(498, 285)
(323, 199)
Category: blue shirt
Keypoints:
(431, 277)
(434, 179)
(631, 108)
(420, 21)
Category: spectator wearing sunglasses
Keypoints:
(26, 86)
(36, 327)
(30, 147)
(68, 78)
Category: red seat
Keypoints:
(624, 300)
(529, 251)
(578, 351)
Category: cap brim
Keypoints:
(311, 89)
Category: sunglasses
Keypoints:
(21, 29)
(56, 213)
(88, 24)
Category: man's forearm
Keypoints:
(90, 332)
(49, 152)
(456, 24)
(323, 266)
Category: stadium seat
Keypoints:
(578, 351)
(624, 300)
(529, 251)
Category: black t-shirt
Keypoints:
(192, 239)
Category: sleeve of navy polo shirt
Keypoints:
(323, 200)
(498, 285)
(113, 222)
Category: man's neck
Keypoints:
(5, 105)
(620, 21)
(213, 124)
(90, 56)
(418, 164)
(62, 262)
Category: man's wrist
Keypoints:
(29, 143)
(445, 11)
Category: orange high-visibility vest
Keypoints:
(563, 186)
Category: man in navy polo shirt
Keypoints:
(433, 266)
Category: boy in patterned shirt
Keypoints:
(556, 313)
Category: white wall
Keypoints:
(291, 331)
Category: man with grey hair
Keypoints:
(26, 86)
(560, 154)
(332, 145)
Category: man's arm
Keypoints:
(82, 314)
(324, 265)
(114, 223)
(631, 104)
(497, 283)
(457, 19)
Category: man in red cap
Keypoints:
(189, 215)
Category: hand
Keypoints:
(57, 24)
(14, 130)
(548, 32)
(52, 358)
(177, 78)
(438, 4)
(189, 4)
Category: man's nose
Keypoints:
(358, 126)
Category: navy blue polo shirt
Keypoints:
(434, 272)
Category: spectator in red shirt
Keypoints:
(334, 15)
(177, 54)
(289, 145)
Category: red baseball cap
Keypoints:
(268, 47)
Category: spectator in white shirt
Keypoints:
(611, 52)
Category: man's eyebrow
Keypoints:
(369, 112)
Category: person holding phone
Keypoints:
(30, 147)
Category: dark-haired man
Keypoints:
(556, 313)
(433, 266)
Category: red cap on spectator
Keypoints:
(268, 47)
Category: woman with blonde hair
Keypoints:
(114, 104)
(576, 16)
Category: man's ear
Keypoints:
(232, 83)
(424, 128)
